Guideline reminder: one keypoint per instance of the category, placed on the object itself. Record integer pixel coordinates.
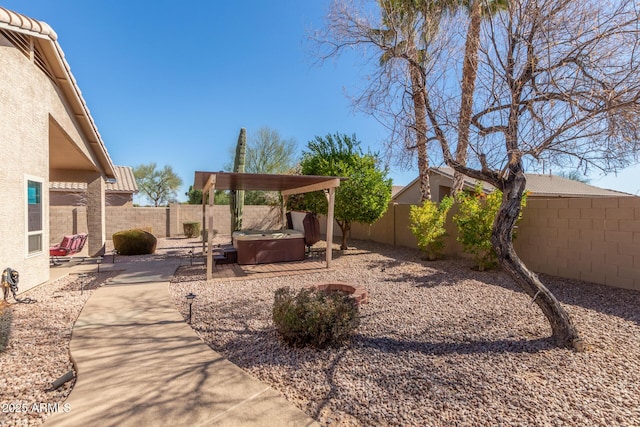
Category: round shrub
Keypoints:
(191, 228)
(134, 242)
(315, 318)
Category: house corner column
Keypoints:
(96, 213)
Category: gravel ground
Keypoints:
(439, 344)
(34, 348)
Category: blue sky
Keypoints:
(173, 83)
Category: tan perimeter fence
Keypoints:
(596, 240)
(164, 221)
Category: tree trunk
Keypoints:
(469, 74)
(563, 331)
(344, 227)
(420, 111)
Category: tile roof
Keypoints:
(540, 185)
(16, 22)
(125, 183)
(549, 185)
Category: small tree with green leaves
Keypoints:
(158, 185)
(194, 197)
(363, 197)
(427, 223)
(475, 224)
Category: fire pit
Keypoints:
(358, 293)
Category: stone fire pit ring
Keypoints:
(357, 292)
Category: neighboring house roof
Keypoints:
(50, 59)
(125, 182)
(540, 185)
(396, 189)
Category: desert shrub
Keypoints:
(134, 242)
(475, 223)
(191, 228)
(427, 223)
(6, 319)
(315, 318)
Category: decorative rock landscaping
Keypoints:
(438, 345)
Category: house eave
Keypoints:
(46, 39)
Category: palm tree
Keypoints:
(409, 26)
(476, 9)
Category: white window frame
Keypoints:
(27, 233)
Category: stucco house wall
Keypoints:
(28, 104)
(39, 132)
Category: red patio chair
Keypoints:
(62, 248)
(78, 243)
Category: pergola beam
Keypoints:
(211, 182)
(331, 183)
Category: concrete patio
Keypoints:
(139, 363)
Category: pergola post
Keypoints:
(283, 208)
(210, 234)
(204, 218)
(331, 197)
(210, 188)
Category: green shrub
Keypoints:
(475, 224)
(427, 223)
(134, 242)
(314, 318)
(191, 228)
(6, 319)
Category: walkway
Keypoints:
(140, 364)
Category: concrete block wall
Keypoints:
(163, 221)
(64, 220)
(124, 218)
(254, 217)
(595, 240)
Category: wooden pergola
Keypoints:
(287, 185)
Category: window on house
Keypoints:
(34, 216)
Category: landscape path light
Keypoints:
(83, 278)
(190, 297)
(99, 261)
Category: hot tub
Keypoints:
(264, 247)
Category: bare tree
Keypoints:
(559, 81)
(506, 83)
(268, 152)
